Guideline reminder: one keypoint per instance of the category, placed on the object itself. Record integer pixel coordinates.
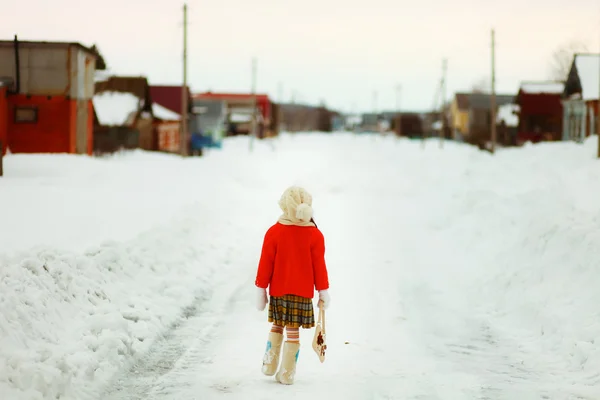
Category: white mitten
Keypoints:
(324, 297)
(261, 298)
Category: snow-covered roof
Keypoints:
(100, 75)
(114, 108)
(543, 87)
(164, 113)
(588, 69)
(507, 112)
(240, 117)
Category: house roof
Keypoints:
(587, 68)
(163, 113)
(137, 85)
(467, 101)
(542, 87)
(115, 108)
(35, 43)
(509, 114)
(170, 97)
(462, 100)
(100, 63)
(231, 96)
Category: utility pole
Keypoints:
(280, 92)
(375, 111)
(443, 90)
(399, 118)
(184, 90)
(253, 124)
(375, 101)
(493, 96)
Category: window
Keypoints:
(26, 115)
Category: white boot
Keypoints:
(272, 353)
(288, 363)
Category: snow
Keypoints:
(164, 113)
(543, 87)
(507, 112)
(240, 117)
(588, 68)
(472, 276)
(115, 108)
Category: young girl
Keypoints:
(292, 266)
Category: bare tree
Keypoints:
(562, 59)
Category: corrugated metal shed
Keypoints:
(49, 68)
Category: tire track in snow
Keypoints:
(141, 377)
(165, 368)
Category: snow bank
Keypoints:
(99, 257)
(69, 319)
(518, 232)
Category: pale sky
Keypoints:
(335, 50)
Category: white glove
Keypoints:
(261, 298)
(324, 297)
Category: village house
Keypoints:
(240, 111)
(170, 97)
(213, 117)
(3, 118)
(3, 125)
(580, 97)
(470, 116)
(540, 111)
(408, 124)
(126, 117)
(47, 101)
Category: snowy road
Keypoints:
(445, 284)
(409, 319)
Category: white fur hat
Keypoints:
(296, 204)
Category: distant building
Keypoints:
(240, 109)
(581, 97)
(48, 96)
(540, 111)
(3, 119)
(170, 97)
(306, 118)
(471, 117)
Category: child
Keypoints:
(292, 265)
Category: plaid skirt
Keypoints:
(291, 310)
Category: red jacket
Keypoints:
(293, 261)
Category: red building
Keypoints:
(241, 100)
(3, 119)
(241, 104)
(540, 111)
(48, 101)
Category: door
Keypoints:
(81, 135)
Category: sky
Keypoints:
(350, 55)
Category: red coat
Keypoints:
(293, 261)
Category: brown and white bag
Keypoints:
(319, 344)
